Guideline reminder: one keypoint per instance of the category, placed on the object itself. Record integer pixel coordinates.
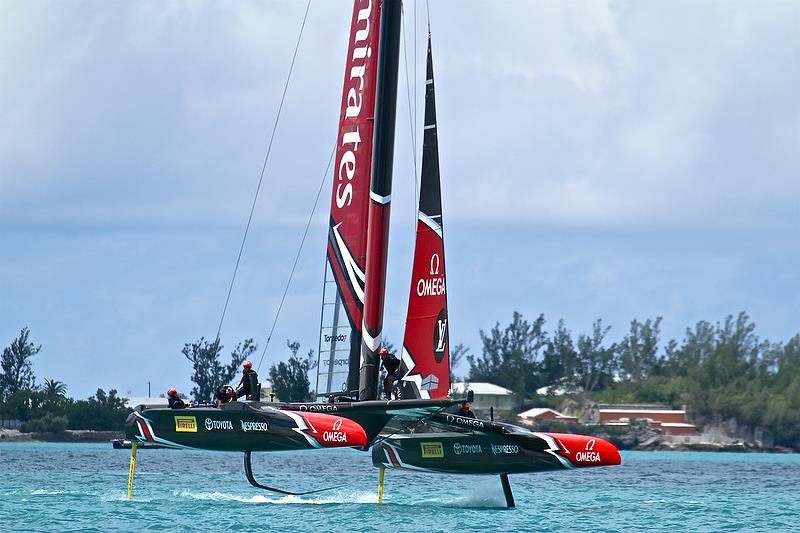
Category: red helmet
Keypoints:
(247, 364)
(466, 406)
(172, 392)
(384, 352)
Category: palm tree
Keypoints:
(54, 388)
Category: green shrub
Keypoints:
(49, 423)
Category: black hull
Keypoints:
(491, 449)
(240, 427)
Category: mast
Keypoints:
(380, 196)
(426, 351)
(343, 294)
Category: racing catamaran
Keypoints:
(350, 413)
(453, 444)
(351, 416)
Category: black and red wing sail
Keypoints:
(380, 197)
(343, 296)
(426, 351)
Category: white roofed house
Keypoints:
(147, 401)
(538, 414)
(487, 395)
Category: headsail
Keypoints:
(426, 350)
(343, 295)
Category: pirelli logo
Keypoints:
(186, 424)
(432, 450)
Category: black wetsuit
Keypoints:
(248, 385)
(176, 403)
(466, 412)
(392, 365)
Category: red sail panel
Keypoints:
(426, 350)
(340, 339)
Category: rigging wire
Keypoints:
(412, 116)
(416, 99)
(297, 256)
(263, 170)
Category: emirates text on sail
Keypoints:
(347, 162)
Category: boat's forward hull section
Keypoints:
(245, 429)
(485, 453)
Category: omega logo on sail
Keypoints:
(433, 286)
(347, 162)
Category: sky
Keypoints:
(611, 160)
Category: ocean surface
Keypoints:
(82, 487)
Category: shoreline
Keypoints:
(70, 435)
(712, 447)
(92, 436)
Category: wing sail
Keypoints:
(343, 294)
(426, 350)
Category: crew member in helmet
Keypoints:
(465, 411)
(248, 386)
(224, 394)
(175, 401)
(392, 366)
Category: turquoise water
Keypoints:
(82, 487)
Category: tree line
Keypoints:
(46, 408)
(290, 381)
(718, 370)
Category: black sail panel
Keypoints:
(430, 196)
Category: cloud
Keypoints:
(623, 113)
(599, 159)
(566, 114)
(130, 113)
